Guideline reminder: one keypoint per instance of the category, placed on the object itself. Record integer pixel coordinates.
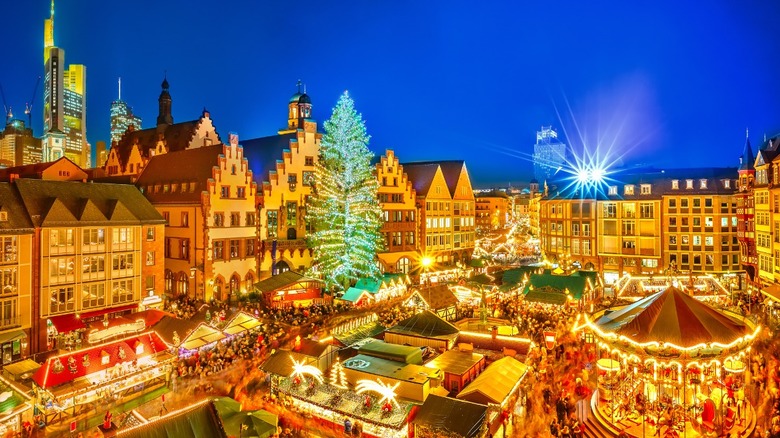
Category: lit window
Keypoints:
(688, 183)
(613, 190)
(702, 183)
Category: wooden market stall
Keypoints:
(290, 289)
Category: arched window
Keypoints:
(219, 285)
(235, 284)
(182, 284)
(403, 265)
(168, 281)
(250, 282)
(282, 266)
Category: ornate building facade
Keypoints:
(397, 198)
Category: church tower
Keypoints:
(298, 109)
(164, 117)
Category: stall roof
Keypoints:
(495, 383)
(391, 369)
(437, 297)
(279, 363)
(170, 324)
(459, 417)
(150, 316)
(546, 297)
(426, 324)
(359, 333)
(203, 334)
(576, 284)
(455, 362)
(200, 420)
(283, 280)
(395, 352)
(18, 369)
(310, 348)
(72, 321)
(49, 376)
(354, 294)
(240, 322)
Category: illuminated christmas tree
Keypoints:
(344, 208)
(337, 376)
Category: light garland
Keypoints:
(386, 391)
(300, 370)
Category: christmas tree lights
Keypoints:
(337, 376)
(344, 208)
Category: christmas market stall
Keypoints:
(549, 288)
(370, 291)
(458, 368)
(15, 408)
(358, 330)
(671, 364)
(241, 322)
(423, 329)
(72, 383)
(290, 289)
(498, 387)
(439, 299)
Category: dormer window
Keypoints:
(613, 190)
(645, 189)
(689, 184)
(628, 189)
(675, 184)
(727, 183)
(702, 183)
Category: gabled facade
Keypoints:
(764, 180)
(284, 165)
(88, 255)
(130, 155)
(60, 170)
(209, 206)
(397, 198)
(746, 231)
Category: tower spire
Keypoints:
(747, 133)
(299, 86)
(120, 89)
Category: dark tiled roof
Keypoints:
(262, 154)
(746, 159)
(451, 170)
(421, 175)
(425, 323)
(53, 203)
(176, 136)
(11, 203)
(451, 416)
(200, 421)
(169, 324)
(171, 168)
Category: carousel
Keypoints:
(672, 366)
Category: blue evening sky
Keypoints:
(662, 83)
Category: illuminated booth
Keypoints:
(673, 363)
(69, 384)
(370, 291)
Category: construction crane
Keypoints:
(6, 108)
(28, 106)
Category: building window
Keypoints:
(122, 238)
(308, 178)
(613, 190)
(646, 210)
(272, 222)
(185, 249)
(149, 258)
(675, 184)
(219, 219)
(225, 192)
(235, 219)
(645, 189)
(61, 270)
(122, 264)
(250, 247)
(219, 250)
(250, 219)
(150, 234)
(309, 161)
(8, 281)
(688, 183)
(628, 189)
(241, 192)
(403, 265)
(292, 212)
(61, 300)
(93, 295)
(234, 248)
(122, 291)
(92, 237)
(185, 219)
(702, 183)
(726, 185)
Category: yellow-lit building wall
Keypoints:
(397, 199)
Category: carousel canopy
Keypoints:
(674, 317)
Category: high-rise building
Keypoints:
(18, 146)
(122, 118)
(550, 154)
(64, 104)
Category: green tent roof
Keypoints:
(576, 284)
(515, 275)
(353, 294)
(199, 421)
(373, 285)
(538, 296)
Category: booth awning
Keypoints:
(203, 335)
(241, 322)
(66, 323)
(772, 291)
(13, 335)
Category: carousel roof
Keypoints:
(672, 316)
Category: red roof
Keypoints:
(150, 316)
(46, 377)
